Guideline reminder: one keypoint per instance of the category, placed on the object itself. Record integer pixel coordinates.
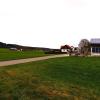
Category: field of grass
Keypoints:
(6, 54)
(67, 78)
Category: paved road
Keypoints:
(12, 62)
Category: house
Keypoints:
(95, 46)
(65, 49)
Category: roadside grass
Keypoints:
(6, 54)
(67, 78)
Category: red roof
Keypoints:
(65, 47)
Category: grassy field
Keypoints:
(67, 78)
(6, 54)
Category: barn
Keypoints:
(95, 46)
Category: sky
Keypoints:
(49, 23)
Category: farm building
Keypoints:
(95, 46)
(65, 49)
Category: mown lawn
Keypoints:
(67, 78)
(6, 54)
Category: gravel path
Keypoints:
(12, 62)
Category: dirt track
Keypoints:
(12, 62)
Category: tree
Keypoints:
(84, 47)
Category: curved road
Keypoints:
(13, 62)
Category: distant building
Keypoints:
(95, 46)
(13, 49)
(65, 49)
(16, 49)
(76, 51)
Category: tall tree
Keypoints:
(84, 47)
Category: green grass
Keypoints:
(6, 54)
(68, 78)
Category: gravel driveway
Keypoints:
(12, 62)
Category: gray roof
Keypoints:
(95, 41)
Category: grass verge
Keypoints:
(6, 54)
(67, 78)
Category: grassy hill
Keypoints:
(68, 78)
(7, 54)
(24, 48)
